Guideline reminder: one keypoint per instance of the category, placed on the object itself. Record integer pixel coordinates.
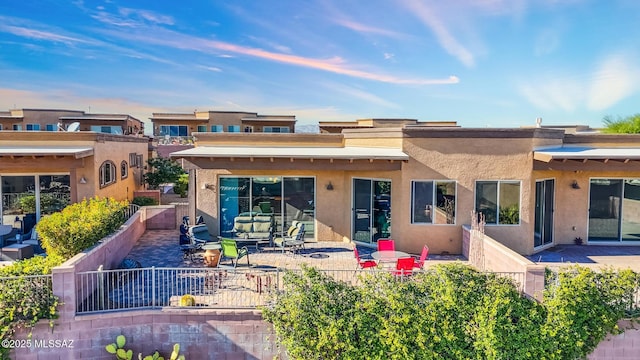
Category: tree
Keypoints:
(622, 125)
(164, 171)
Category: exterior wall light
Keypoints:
(574, 185)
(329, 186)
(82, 180)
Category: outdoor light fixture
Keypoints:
(329, 186)
(82, 180)
(209, 186)
(574, 185)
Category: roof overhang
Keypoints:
(76, 152)
(565, 153)
(294, 152)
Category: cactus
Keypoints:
(118, 350)
(121, 353)
(175, 354)
(187, 300)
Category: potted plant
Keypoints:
(578, 240)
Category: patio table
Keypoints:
(389, 255)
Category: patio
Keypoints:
(621, 257)
(160, 248)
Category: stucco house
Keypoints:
(41, 172)
(419, 184)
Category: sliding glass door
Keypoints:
(26, 198)
(371, 214)
(543, 224)
(614, 210)
(287, 199)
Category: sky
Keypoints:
(482, 63)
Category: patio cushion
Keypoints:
(243, 224)
(262, 224)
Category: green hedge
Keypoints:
(451, 312)
(144, 201)
(80, 226)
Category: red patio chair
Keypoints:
(423, 257)
(386, 245)
(363, 264)
(404, 266)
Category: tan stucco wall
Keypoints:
(106, 147)
(466, 162)
(333, 208)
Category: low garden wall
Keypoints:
(487, 254)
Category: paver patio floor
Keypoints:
(160, 248)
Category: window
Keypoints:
(107, 129)
(17, 127)
(233, 128)
(107, 173)
(248, 129)
(202, 128)
(174, 130)
(276, 129)
(499, 201)
(217, 128)
(124, 170)
(33, 127)
(52, 127)
(433, 202)
(133, 160)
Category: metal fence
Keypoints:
(115, 290)
(130, 210)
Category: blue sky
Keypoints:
(483, 63)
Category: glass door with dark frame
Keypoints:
(604, 209)
(371, 210)
(544, 212)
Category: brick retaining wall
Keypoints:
(202, 334)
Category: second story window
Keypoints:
(275, 129)
(233, 128)
(124, 169)
(174, 130)
(17, 127)
(33, 127)
(52, 127)
(202, 128)
(217, 128)
(248, 129)
(107, 173)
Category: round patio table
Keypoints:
(389, 255)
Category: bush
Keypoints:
(80, 226)
(144, 201)
(181, 185)
(25, 299)
(451, 312)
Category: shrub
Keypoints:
(80, 226)
(451, 312)
(181, 185)
(187, 300)
(144, 201)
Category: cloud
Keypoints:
(362, 28)
(553, 93)
(128, 17)
(614, 80)
(444, 36)
(361, 95)
(45, 35)
(334, 65)
(546, 42)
